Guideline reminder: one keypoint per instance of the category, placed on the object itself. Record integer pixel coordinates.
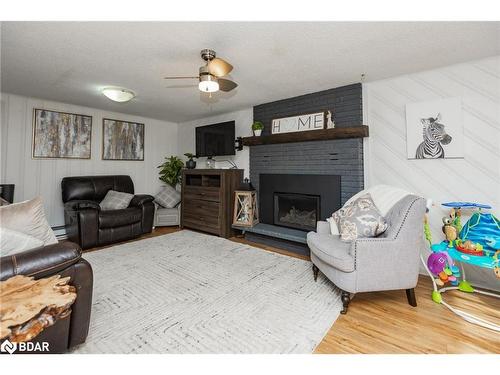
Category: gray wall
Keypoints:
(342, 157)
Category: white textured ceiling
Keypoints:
(71, 61)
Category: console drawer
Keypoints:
(202, 207)
(201, 193)
(204, 223)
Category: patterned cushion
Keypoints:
(116, 200)
(360, 218)
(168, 197)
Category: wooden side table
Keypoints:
(28, 307)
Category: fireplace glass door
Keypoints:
(298, 211)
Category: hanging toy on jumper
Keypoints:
(427, 228)
(494, 244)
(496, 268)
(449, 230)
(456, 215)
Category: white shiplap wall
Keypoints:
(43, 177)
(474, 178)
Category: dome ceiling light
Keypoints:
(118, 94)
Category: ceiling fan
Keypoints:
(211, 74)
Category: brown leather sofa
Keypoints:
(65, 259)
(88, 226)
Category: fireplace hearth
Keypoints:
(289, 207)
(298, 211)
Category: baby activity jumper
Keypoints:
(477, 243)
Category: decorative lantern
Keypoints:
(246, 213)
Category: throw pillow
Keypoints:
(115, 200)
(29, 218)
(168, 197)
(13, 242)
(359, 219)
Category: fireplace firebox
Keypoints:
(297, 201)
(298, 211)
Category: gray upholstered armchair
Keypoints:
(388, 262)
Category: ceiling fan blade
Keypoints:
(219, 67)
(180, 86)
(226, 85)
(181, 77)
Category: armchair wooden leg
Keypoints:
(346, 298)
(410, 294)
(315, 272)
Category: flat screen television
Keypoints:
(216, 139)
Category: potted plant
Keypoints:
(257, 127)
(170, 171)
(190, 164)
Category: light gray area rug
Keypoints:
(188, 292)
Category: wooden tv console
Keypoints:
(208, 199)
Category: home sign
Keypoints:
(312, 121)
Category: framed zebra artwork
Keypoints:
(434, 129)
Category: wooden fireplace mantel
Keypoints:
(313, 135)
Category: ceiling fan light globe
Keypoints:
(208, 86)
(208, 83)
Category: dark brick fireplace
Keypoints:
(336, 163)
(342, 157)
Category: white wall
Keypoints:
(474, 178)
(243, 119)
(43, 177)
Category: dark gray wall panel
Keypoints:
(345, 102)
(342, 157)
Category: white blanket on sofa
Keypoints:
(384, 197)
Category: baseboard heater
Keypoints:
(60, 232)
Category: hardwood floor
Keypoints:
(383, 322)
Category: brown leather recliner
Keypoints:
(88, 226)
(65, 259)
